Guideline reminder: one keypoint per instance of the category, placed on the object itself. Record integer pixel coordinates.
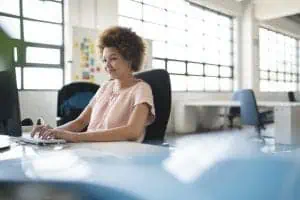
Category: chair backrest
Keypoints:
(249, 110)
(291, 96)
(159, 80)
(73, 98)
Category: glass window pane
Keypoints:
(280, 76)
(224, 34)
(281, 86)
(135, 25)
(130, 9)
(294, 78)
(195, 12)
(42, 55)
(179, 83)
(16, 56)
(212, 56)
(158, 64)
(155, 15)
(225, 84)
(211, 70)
(157, 3)
(273, 86)
(43, 78)
(154, 32)
(176, 52)
(178, 6)
(195, 69)
(195, 54)
(176, 36)
(212, 83)
(224, 22)
(42, 32)
(195, 83)
(277, 53)
(225, 72)
(176, 67)
(264, 85)
(18, 77)
(225, 59)
(263, 75)
(176, 20)
(191, 34)
(273, 76)
(11, 26)
(10, 7)
(42, 10)
(159, 49)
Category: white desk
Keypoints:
(96, 149)
(286, 116)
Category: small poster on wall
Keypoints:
(86, 65)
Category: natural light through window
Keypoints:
(194, 44)
(37, 28)
(277, 62)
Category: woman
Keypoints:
(123, 106)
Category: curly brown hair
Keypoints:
(128, 43)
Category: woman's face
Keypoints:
(115, 65)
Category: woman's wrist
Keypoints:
(76, 137)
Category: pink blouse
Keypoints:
(112, 108)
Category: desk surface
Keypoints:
(237, 103)
(208, 167)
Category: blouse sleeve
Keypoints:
(144, 94)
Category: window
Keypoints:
(37, 30)
(194, 44)
(277, 62)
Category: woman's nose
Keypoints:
(107, 66)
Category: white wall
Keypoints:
(38, 104)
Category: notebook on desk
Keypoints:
(39, 141)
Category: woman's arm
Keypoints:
(79, 123)
(131, 131)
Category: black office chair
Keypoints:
(159, 80)
(291, 96)
(72, 99)
(249, 111)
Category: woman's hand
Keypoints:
(40, 130)
(60, 134)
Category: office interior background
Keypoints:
(211, 48)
